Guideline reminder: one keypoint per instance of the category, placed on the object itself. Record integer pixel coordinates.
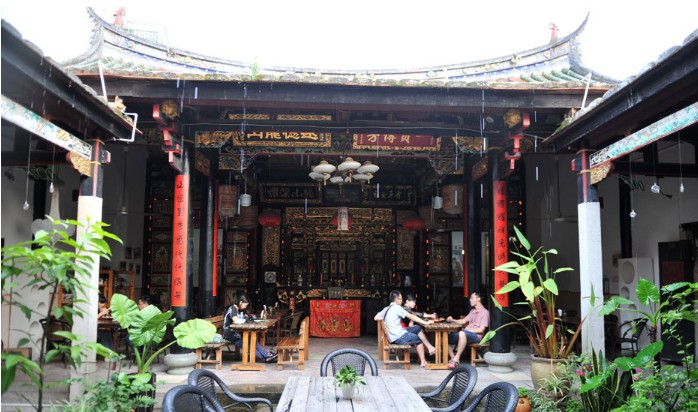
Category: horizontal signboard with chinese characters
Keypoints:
(387, 141)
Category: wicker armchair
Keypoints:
(186, 398)
(207, 381)
(355, 358)
(464, 378)
(497, 397)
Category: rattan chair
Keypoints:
(53, 341)
(629, 334)
(356, 358)
(207, 381)
(187, 398)
(497, 397)
(464, 378)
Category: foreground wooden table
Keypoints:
(381, 393)
(441, 331)
(249, 333)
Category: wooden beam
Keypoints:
(650, 134)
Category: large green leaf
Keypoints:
(194, 333)
(550, 285)
(522, 239)
(123, 309)
(508, 287)
(647, 292)
(149, 326)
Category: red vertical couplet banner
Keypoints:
(215, 242)
(179, 241)
(501, 254)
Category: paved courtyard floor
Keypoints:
(271, 381)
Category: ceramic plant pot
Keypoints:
(542, 368)
(523, 405)
(348, 391)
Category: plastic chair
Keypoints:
(356, 358)
(187, 398)
(629, 332)
(497, 397)
(207, 381)
(464, 378)
(51, 326)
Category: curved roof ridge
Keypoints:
(112, 42)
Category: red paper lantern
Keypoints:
(269, 218)
(414, 223)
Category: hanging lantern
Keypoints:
(269, 218)
(245, 200)
(227, 200)
(413, 223)
(248, 217)
(453, 199)
(342, 219)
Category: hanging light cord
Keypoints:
(25, 206)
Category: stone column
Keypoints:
(590, 255)
(90, 203)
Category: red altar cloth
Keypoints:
(335, 318)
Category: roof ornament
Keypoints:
(119, 17)
(553, 33)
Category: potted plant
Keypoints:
(50, 262)
(346, 379)
(146, 329)
(524, 404)
(550, 341)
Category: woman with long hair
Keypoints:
(234, 314)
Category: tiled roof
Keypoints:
(122, 53)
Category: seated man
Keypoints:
(474, 327)
(391, 316)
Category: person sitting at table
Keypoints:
(474, 327)
(104, 336)
(391, 315)
(409, 304)
(236, 314)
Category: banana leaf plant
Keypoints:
(147, 328)
(546, 333)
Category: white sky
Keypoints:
(620, 38)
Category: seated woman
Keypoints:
(235, 314)
(104, 337)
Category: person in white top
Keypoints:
(391, 316)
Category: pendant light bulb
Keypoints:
(25, 206)
(681, 188)
(633, 214)
(50, 188)
(655, 188)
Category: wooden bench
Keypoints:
(289, 345)
(475, 357)
(216, 348)
(402, 352)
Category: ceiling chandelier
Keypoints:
(346, 172)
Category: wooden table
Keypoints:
(381, 393)
(111, 325)
(249, 343)
(441, 331)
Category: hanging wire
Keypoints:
(681, 188)
(53, 169)
(25, 206)
(632, 203)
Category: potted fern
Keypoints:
(146, 329)
(346, 379)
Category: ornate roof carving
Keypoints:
(124, 53)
